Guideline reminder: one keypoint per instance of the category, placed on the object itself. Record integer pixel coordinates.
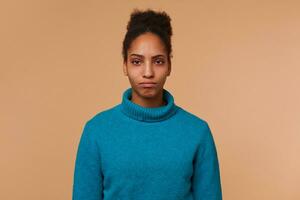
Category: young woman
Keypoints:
(147, 147)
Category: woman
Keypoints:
(147, 147)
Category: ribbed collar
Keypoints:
(148, 114)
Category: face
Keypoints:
(147, 62)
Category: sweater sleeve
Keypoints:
(87, 181)
(206, 182)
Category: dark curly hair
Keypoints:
(157, 22)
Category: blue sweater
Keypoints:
(130, 152)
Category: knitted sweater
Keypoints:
(130, 152)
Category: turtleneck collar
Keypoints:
(148, 114)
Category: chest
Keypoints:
(148, 155)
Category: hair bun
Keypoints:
(150, 19)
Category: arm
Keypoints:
(87, 181)
(206, 182)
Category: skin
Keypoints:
(147, 61)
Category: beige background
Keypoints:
(236, 64)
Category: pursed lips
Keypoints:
(147, 84)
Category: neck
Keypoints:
(156, 101)
(152, 113)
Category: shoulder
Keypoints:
(191, 118)
(103, 117)
(194, 123)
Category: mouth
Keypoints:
(147, 84)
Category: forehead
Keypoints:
(147, 44)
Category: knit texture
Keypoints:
(130, 152)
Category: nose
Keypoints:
(148, 72)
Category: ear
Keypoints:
(169, 69)
(125, 68)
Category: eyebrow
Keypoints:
(138, 55)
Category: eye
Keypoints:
(136, 62)
(159, 61)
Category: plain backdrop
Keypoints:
(236, 65)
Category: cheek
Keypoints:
(162, 71)
(133, 73)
